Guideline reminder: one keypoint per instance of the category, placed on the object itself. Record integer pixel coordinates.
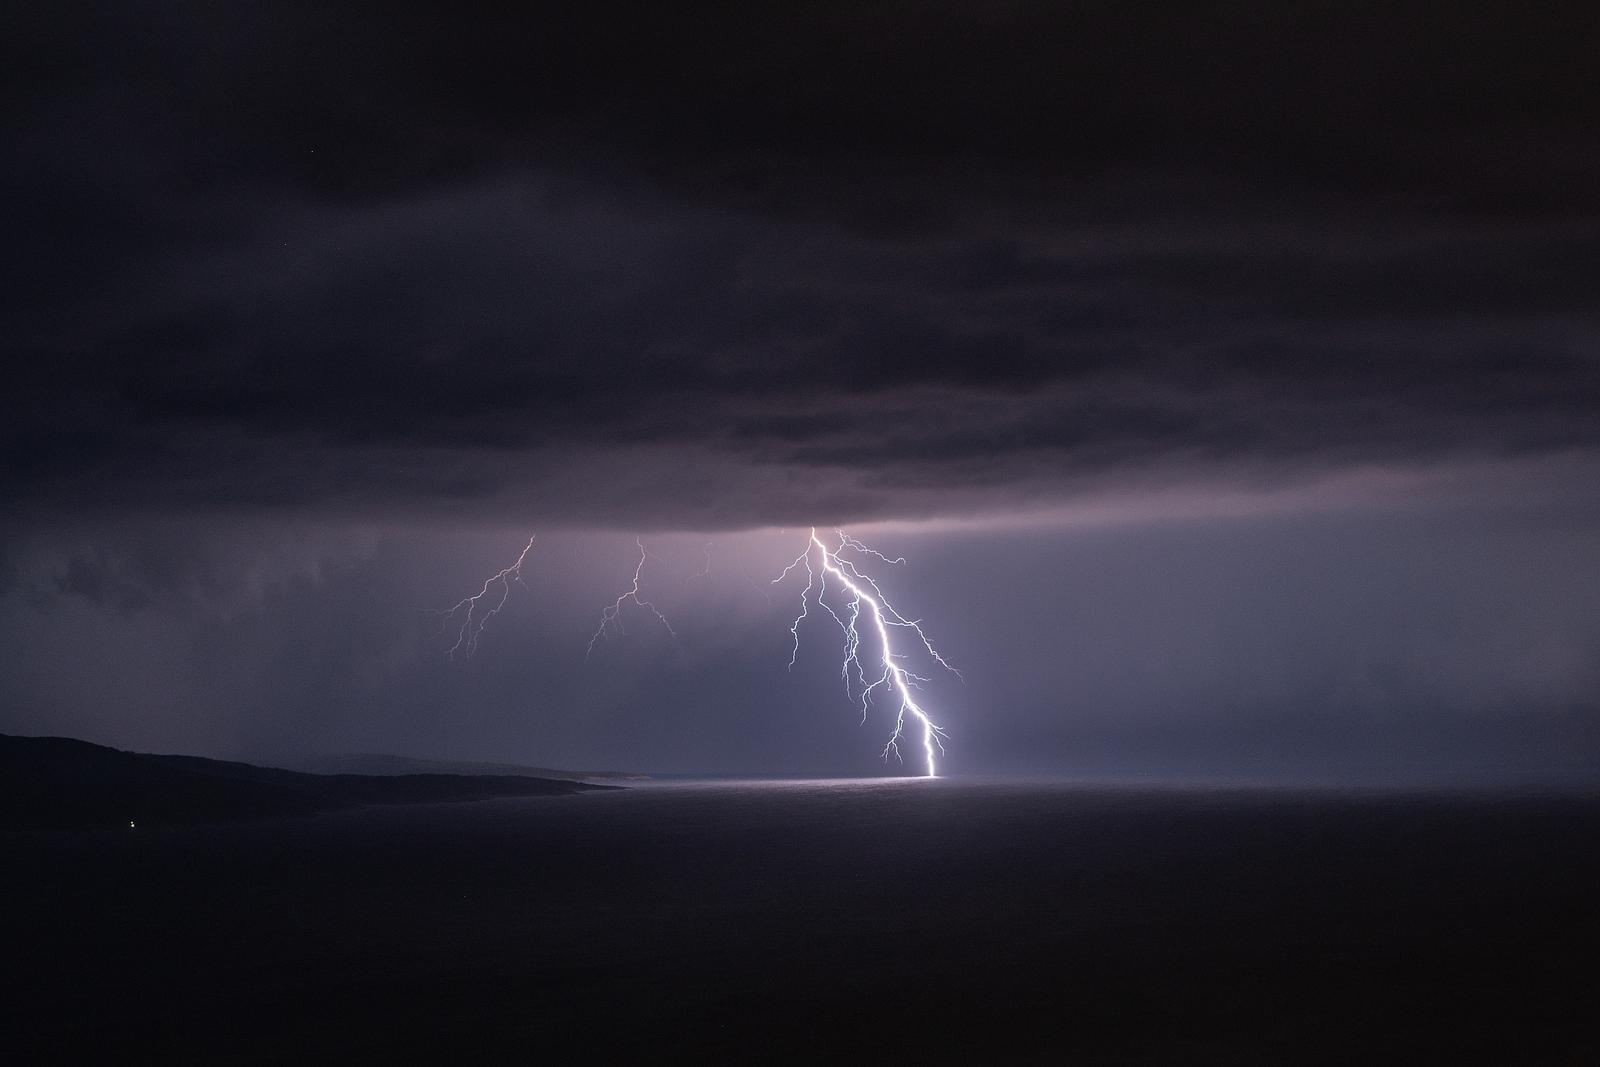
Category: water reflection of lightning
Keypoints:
(611, 616)
(894, 678)
(467, 613)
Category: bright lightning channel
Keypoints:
(894, 677)
(611, 615)
(472, 615)
(467, 613)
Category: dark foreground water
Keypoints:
(936, 921)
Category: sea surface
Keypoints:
(845, 921)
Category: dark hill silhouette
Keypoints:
(60, 782)
(385, 764)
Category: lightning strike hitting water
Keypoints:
(466, 610)
(894, 677)
(611, 616)
(857, 587)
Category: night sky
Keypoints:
(1227, 377)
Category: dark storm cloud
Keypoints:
(722, 266)
(205, 570)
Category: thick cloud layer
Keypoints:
(725, 267)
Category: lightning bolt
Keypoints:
(821, 563)
(894, 677)
(466, 611)
(705, 570)
(611, 615)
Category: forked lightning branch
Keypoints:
(836, 584)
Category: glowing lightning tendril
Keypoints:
(466, 610)
(859, 588)
(611, 616)
(894, 677)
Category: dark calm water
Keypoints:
(929, 920)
